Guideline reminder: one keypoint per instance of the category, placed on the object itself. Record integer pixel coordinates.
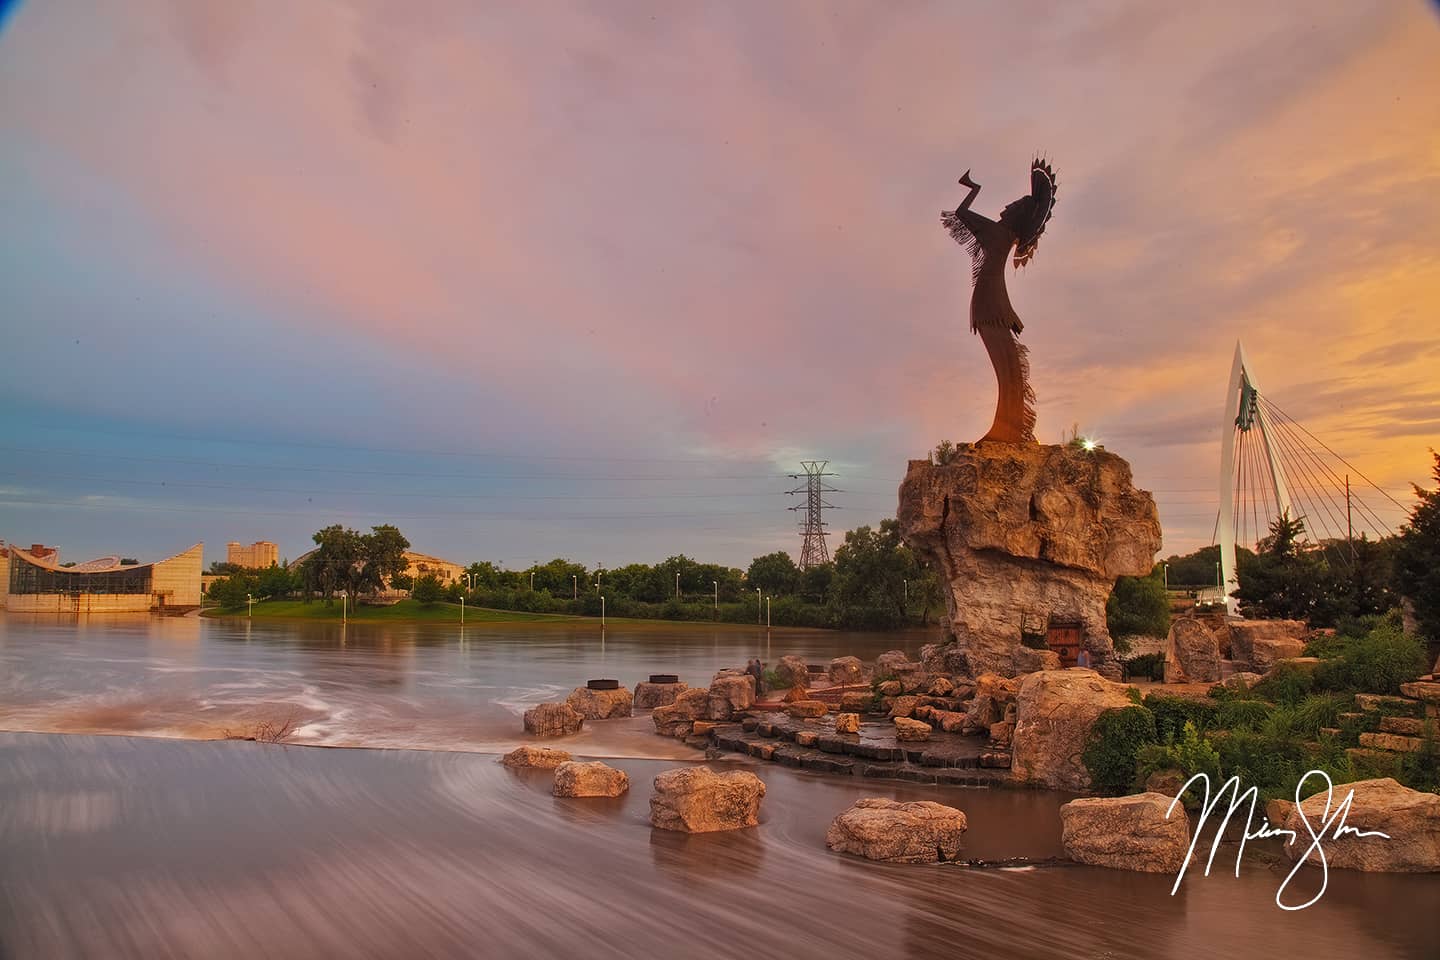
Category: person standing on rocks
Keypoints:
(756, 669)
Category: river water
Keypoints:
(142, 846)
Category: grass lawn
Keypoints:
(406, 611)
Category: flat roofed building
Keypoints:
(40, 585)
(261, 554)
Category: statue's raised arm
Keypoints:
(991, 315)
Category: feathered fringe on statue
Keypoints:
(989, 243)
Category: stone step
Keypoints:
(1362, 753)
(1330, 731)
(1379, 701)
(1427, 690)
(1406, 726)
(1391, 741)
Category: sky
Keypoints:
(589, 280)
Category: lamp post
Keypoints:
(717, 594)
(677, 584)
(532, 580)
(602, 612)
(907, 591)
(767, 613)
(598, 572)
(344, 613)
(462, 608)
(757, 606)
(574, 586)
(249, 605)
(1165, 575)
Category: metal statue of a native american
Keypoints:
(991, 315)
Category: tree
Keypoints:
(428, 589)
(871, 568)
(775, 573)
(274, 581)
(1138, 606)
(233, 591)
(1417, 558)
(1287, 581)
(383, 550)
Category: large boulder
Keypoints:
(1126, 833)
(847, 723)
(846, 670)
(792, 671)
(1023, 532)
(553, 720)
(1192, 653)
(903, 706)
(892, 663)
(907, 729)
(649, 695)
(1055, 711)
(944, 658)
(1030, 660)
(993, 694)
(699, 800)
(728, 696)
(675, 719)
(1410, 818)
(541, 758)
(880, 829)
(601, 704)
(1259, 643)
(594, 779)
(801, 709)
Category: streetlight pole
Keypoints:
(574, 586)
(717, 594)
(249, 605)
(462, 608)
(757, 606)
(344, 612)
(677, 584)
(1165, 574)
(532, 580)
(767, 613)
(602, 611)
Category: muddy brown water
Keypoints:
(126, 846)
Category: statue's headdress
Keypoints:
(1028, 215)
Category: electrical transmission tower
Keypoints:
(812, 528)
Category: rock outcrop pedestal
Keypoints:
(1023, 533)
(881, 829)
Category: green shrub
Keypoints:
(1421, 770)
(1241, 714)
(1287, 683)
(1320, 710)
(1376, 663)
(1115, 739)
(1172, 713)
(1190, 753)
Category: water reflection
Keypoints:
(400, 685)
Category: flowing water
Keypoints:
(135, 846)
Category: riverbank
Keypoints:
(405, 611)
